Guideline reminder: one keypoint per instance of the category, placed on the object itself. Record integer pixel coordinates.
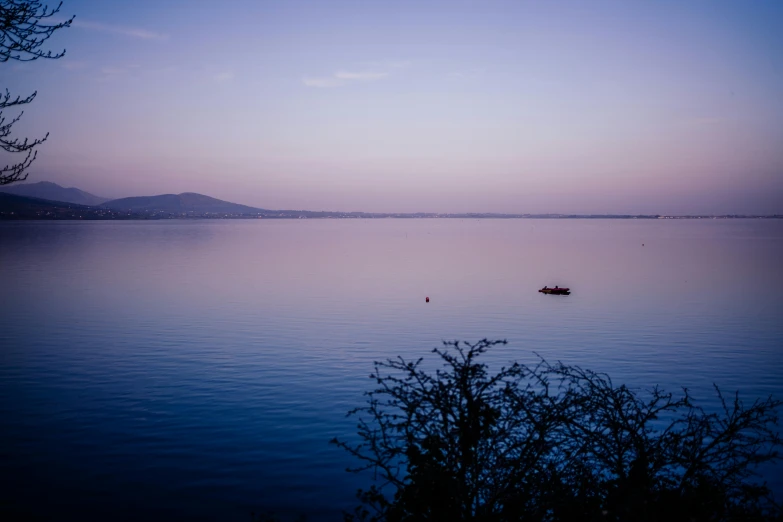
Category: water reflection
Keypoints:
(202, 366)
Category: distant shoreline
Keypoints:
(70, 205)
(102, 215)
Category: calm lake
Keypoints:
(198, 369)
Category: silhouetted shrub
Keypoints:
(553, 442)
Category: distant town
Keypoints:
(49, 201)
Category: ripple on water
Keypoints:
(199, 369)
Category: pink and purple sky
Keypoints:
(437, 106)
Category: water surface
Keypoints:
(197, 369)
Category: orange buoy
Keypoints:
(426, 299)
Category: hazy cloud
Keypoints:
(224, 77)
(112, 72)
(72, 65)
(133, 32)
(468, 73)
(328, 81)
(399, 64)
(360, 75)
(370, 71)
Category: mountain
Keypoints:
(185, 203)
(54, 192)
(23, 207)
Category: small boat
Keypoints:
(556, 291)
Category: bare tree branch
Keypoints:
(24, 27)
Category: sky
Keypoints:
(407, 106)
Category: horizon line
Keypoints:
(428, 214)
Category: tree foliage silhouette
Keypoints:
(24, 27)
(553, 443)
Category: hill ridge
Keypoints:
(51, 191)
(188, 202)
